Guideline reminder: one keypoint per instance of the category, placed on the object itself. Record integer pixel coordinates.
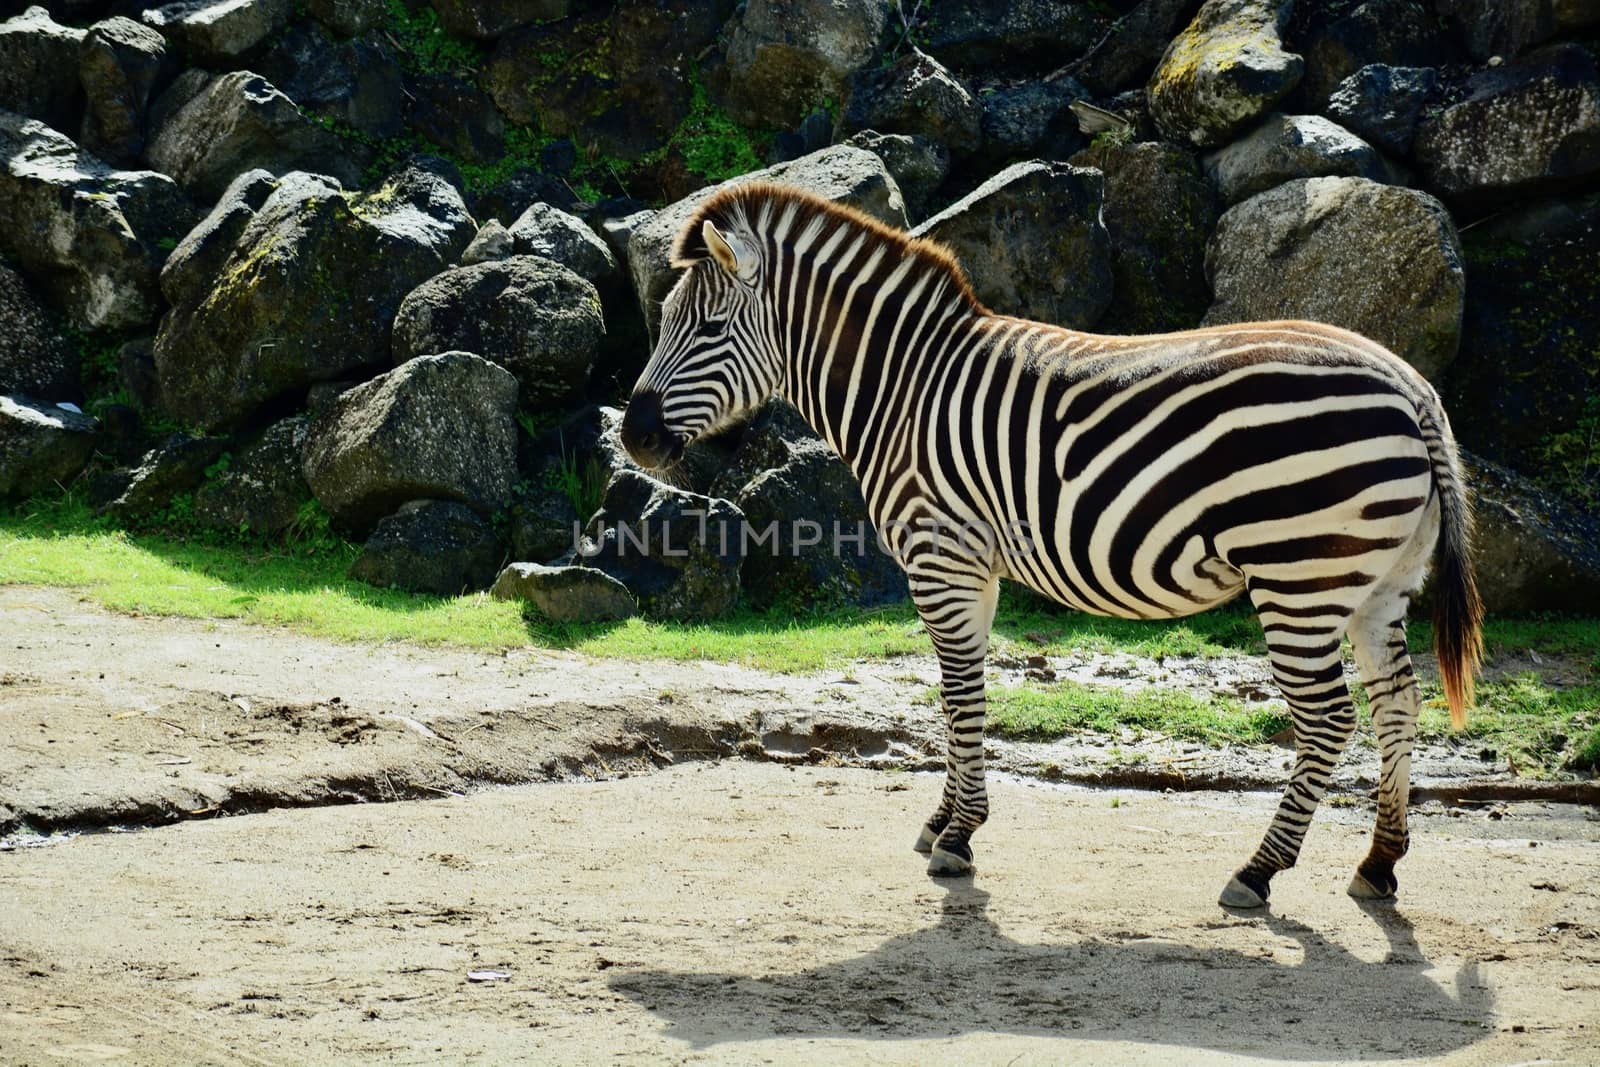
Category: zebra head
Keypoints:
(717, 356)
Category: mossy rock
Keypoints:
(306, 292)
(615, 83)
(1226, 69)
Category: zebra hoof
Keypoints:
(925, 841)
(1362, 889)
(1238, 895)
(942, 864)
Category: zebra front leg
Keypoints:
(958, 619)
(1379, 635)
(1312, 678)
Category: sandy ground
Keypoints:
(737, 912)
(716, 868)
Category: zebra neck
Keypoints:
(862, 355)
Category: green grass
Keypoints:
(1538, 729)
(1044, 712)
(303, 586)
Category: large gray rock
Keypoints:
(545, 230)
(217, 31)
(819, 548)
(356, 82)
(1528, 126)
(1159, 212)
(1382, 103)
(678, 553)
(41, 445)
(1032, 243)
(785, 57)
(304, 289)
(915, 94)
(1130, 50)
(430, 546)
(565, 594)
(1506, 27)
(1033, 35)
(36, 358)
(262, 489)
(121, 64)
(841, 173)
(1285, 147)
(1377, 259)
(1033, 119)
(1530, 552)
(237, 122)
(487, 19)
(91, 236)
(348, 18)
(1342, 39)
(535, 317)
(439, 427)
(919, 166)
(1226, 69)
(39, 68)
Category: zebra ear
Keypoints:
(730, 255)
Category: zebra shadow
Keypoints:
(964, 975)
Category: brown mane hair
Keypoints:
(741, 207)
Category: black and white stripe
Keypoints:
(1139, 477)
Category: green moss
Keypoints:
(712, 144)
(426, 47)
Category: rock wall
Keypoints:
(393, 263)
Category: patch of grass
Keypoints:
(426, 47)
(583, 482)
(173, 567)
(712, 144)
(1539, 729)
(1040, 713)
(303, 585)
(1026, 624)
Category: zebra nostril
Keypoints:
(644, 430)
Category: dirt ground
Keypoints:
(713, 866)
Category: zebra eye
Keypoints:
(710, 328)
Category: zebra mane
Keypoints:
(755, 208)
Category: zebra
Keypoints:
(1298, 464)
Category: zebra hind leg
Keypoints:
(958, 619)
(1307, 667)
(1378, 633)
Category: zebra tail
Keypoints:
(1457, 609)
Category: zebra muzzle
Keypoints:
(645, 434)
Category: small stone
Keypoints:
(565, 594)
(1285, 147)
(492, 243)
(546, 230)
